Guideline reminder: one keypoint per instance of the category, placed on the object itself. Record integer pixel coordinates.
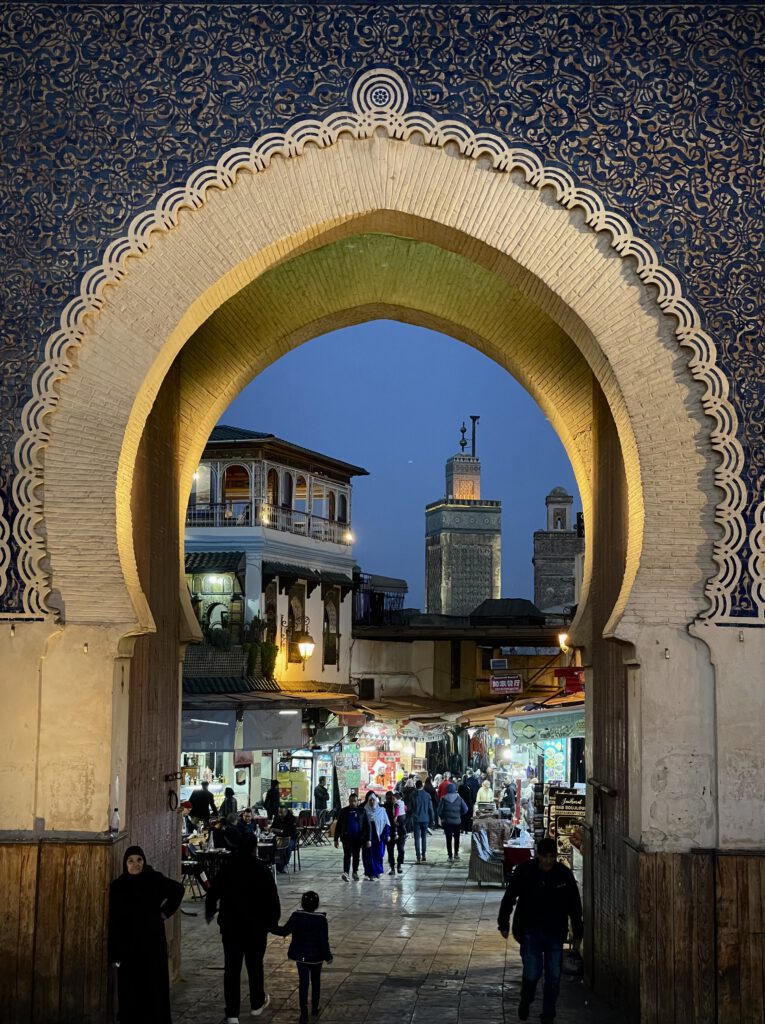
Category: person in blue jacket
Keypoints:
(309, 949)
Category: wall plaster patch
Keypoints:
(380, 100)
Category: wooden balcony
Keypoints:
(242, 514)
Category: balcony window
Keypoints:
(202, 486)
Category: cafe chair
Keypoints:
(190, 877)
(267, 856)
(282, 853)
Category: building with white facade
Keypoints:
(269, 555)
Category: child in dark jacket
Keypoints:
(309, 949)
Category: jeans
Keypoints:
(396, 844)
(351, 851)
(420, 838)
(452, 833)
(250, 947)
(308, 972)
(541, 952)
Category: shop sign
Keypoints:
(566, 819)
(571, 678)
(506, 684)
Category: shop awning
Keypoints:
(213, 561)
(483, 715)
(194, 685)
(420, 709)
(242, 692)
(313, 577)
(524, 706)
(521, 706)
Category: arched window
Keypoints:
(236, 496)
(319, 500)
(272, 487)
(295, 620)
(342, 509)
(287, 489)
(300, 503)
(331, 627)
(332, 506)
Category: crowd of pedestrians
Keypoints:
(243, 894)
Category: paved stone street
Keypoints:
(416, 948)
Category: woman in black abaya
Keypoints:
(140, 901)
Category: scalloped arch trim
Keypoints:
(380, 100)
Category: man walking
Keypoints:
(245, 896)
(202, 804)
(423, 816)
(348, 832)
(547, 896)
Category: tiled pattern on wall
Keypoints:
(659, 109)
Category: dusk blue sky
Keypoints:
(391, 397)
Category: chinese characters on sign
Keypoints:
(506, 684)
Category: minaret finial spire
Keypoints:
(474, 420)
(463, 442)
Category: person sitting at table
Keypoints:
(187, 825)
(285, 825)
(245, 825)
(217, 839)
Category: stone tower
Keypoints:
(558, 555)
(462, 539)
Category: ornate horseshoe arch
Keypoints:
(380, 102)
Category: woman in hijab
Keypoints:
(140, 901)
(375, 831)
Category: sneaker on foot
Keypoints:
(417, 861)
(400, 870)
(392, 871)
(346, 877)
(260, 1009)
(230, 1020)
(424, 861)
(457, 856)
(449, 858)
(355, 876)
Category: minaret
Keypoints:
(558, 556)
(462, 539)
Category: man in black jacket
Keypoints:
(547, 896)
(249, 909)
(348, 831)
(271, 800)
(321, 800)
(202, 804)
